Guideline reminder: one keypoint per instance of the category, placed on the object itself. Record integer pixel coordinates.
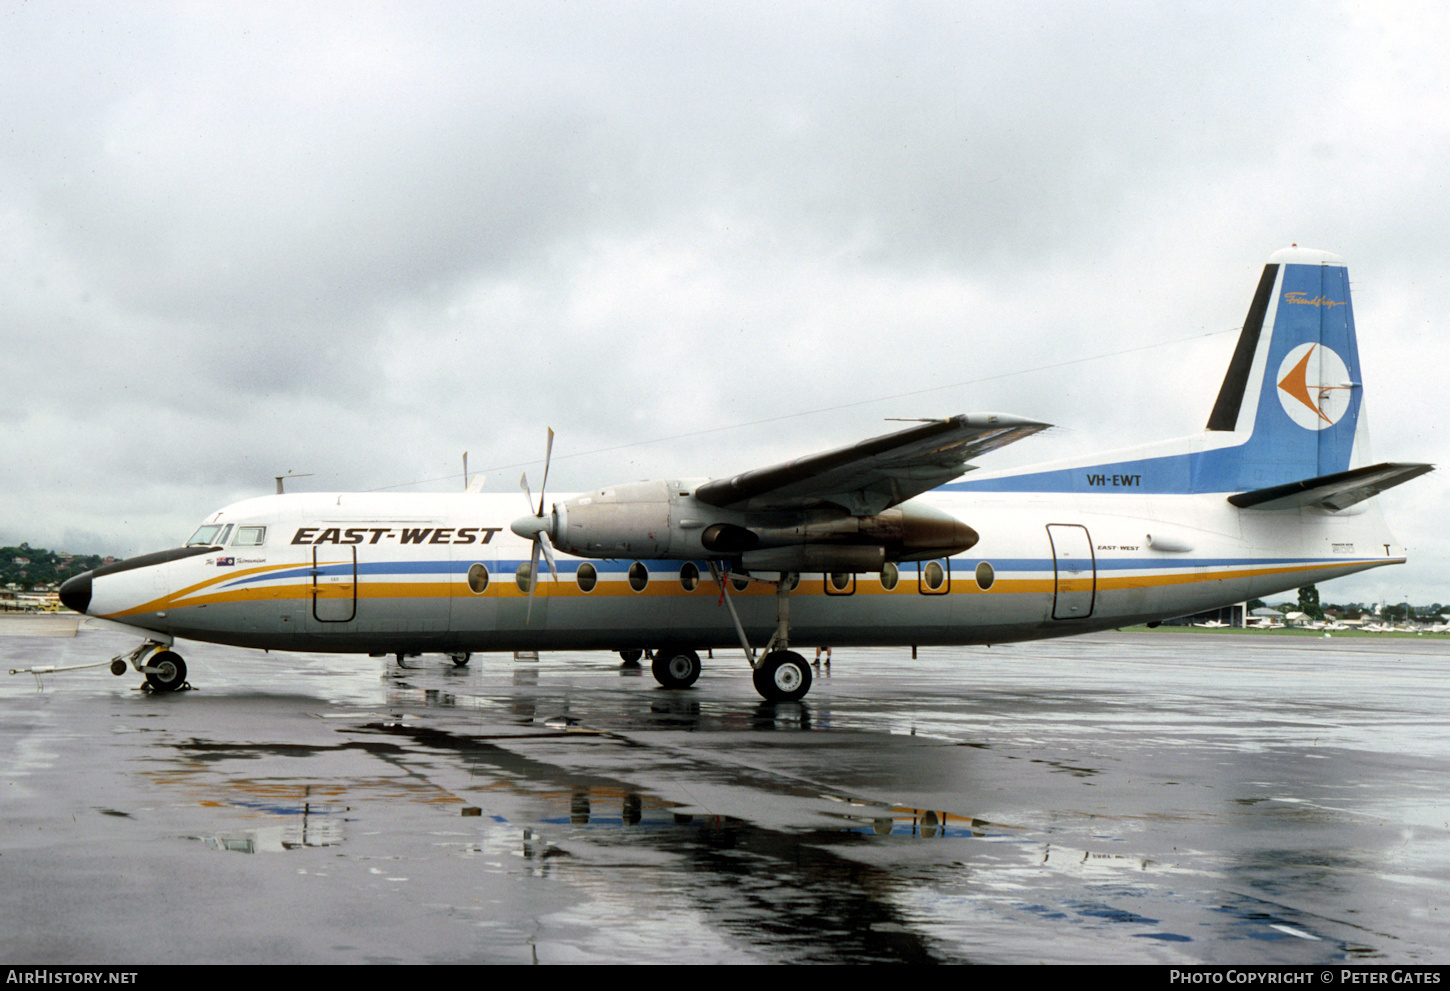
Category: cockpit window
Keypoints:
(250, 536)
(205, 536)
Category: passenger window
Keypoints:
(934, 576)
(250, 536)
(933, 579)
(477, 579)
(587, 577)
(890, 575)
(689, 576)
(638, 576)
(985, 576)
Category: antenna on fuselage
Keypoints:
(288, 475)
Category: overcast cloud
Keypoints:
(358, 240)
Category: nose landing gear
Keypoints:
(165, 671)
(163, 667)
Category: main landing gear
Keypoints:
(780, 674)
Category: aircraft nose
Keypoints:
(75, 593)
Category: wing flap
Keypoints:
(1337, 491)
(875, 474)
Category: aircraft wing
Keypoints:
(873, 475)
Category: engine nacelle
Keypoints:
(663, 520)
(624, 521)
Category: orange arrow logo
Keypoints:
(1296, 384)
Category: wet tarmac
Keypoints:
(1118, 798)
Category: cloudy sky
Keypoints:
(354, 241)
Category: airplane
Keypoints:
(894, 541)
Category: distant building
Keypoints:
(1226, 616)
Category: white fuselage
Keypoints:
(1277, 492)
(371, 573)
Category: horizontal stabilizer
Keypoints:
(1337, 491)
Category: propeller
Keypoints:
(535, 527)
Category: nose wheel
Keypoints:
(165, 671)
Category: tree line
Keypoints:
(1308, 603)
(28, 568)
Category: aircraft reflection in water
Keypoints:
(876, 544)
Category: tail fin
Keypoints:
(1293, 391)
(1290, 409)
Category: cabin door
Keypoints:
(334, 583)
(1074, 569)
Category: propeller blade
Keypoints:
(533, 580)
(548, 456)
(548, 553)
(540, 536)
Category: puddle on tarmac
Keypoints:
(313, 828)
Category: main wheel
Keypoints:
(783, 676)
(676, 667)
(170, 673)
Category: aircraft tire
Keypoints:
(631, 656)
(461, 658)
(172, 674)
(783, 676)
(676, 667)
